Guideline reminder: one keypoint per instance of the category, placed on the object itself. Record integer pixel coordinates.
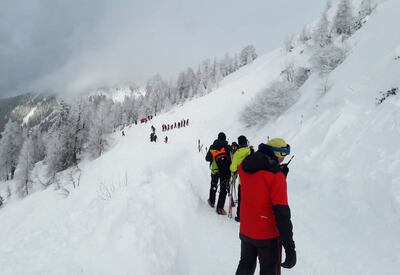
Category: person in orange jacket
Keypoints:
(219, 157)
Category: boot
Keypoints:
(221, 211)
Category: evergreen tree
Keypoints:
(366, 8)
(205, 77)
(60, 142)
(321, 35)
(191, 83)
(10, 147)
(343, 22)
(100, 128)
(156, 92)
(38, 144)
(25, 166)
(247, 55)
(217, 74)
(305, 35)
(289, 43)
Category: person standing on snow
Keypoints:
(265, 224)
(240, 154)
(219, 157)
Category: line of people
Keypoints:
(145, 119)
(263, 210)
(182, 123)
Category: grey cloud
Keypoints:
(70, 46)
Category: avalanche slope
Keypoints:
(141, 207)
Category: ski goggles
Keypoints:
(284, 151)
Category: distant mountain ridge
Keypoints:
(32, 109)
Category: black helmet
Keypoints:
(242, 140)
(222, 136)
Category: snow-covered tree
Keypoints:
(100, 128)
(206, 75)
(305, 35)
(321, 34)
(247, 55)
(289, 42)
(10, 147)
(25, 165)
(343, 22)
(327, 59)
(288, 72)
(366, 8)
(182, 86)
(269, 103)
(157, 93)
(301, 75)
(60, 141)
(328, 5)
(227, 65)
(38, 143)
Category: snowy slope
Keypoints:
(140, 208)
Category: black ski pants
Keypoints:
(268, 253)
(223, 179)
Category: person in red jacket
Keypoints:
(265, 224)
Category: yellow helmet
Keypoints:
(280, 148)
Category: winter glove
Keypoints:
(285, 169)
(290, 259)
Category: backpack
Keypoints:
(222, 160)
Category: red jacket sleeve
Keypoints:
(279, 190)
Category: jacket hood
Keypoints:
(266, 149)
(263, 159)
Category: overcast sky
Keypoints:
(73, 45)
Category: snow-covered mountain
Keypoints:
(34, 109)
(29, 109)
(141, 207)
(118, 93)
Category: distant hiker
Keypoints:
(123, 133)
(1, 201)
(187, 122)
(220, 160)
(166, 139)
(153, 129)
(265, 224)
(240, 154)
